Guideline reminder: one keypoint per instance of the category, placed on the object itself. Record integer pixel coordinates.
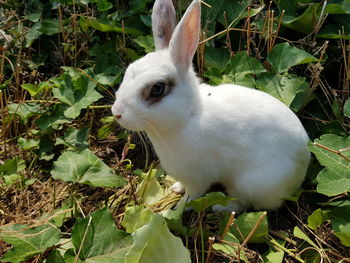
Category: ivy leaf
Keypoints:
(245, 223)
(135, 217)
(149, 189)
(24, 110)
(284, 88)
(347, 108)
(75, 139)
(283, 56)
(77, 93)
(100, 26)
(241, 63)
(12, 166)
(145, 42)
(231, 247)
(33, 34)
(34, 90)
(340, 218)
(335, 178)
(98, 238)
(297, 232)
(27, 241)
(316, 218)
(10, 169)
(53, 119)
(27, 144)
(241, 68)
(155, 243)
(306, 21)
(55, 257)
(86, 168)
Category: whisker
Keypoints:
(160, 137)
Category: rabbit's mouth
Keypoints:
(129, 125)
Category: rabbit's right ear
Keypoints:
(163, 23)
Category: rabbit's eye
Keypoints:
(157, 90)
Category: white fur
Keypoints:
(243, 138)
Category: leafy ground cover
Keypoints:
(75, 187)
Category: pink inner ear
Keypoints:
(184, 41)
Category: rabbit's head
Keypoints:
(159, 92)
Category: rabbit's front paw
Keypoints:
(178, 187)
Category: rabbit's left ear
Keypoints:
(163, 23)
(184, 41)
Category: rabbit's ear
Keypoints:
(163, 23)
(183, 43)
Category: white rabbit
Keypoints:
(245, 139)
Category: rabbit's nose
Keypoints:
(118, 116)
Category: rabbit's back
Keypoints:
(243, 138)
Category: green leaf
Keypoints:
(155, 243)
(25, 110)
(241, 68)
(33, 34)
(50, 27)
(34, 17)
(46, 27)
(347, 108)
(98, 238)
(34, 90)
(235, 11)
(316, 218)
(285, 88)
(135, 217)
(149, 189)
(78, 93)
(231, 247)
(75, 139)
(245, 223)
(283, 56)
(306, 21)
(338, 7)
(27, 144)
(10, 169)
(106, 130)
(274, 255)
(333, 181)
(86, 168)
(335, 178)
(12, 179)
(340, 218)
(103, 5)
(331, 30)
(297, 232)
(54, 119)
(145, 42)
(241, 63)
(55, 257)
(217, 58)
(27, 241)
(210, 199)
(111, 28)
(12, 166)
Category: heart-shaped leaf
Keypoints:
(335, 178)
(98, 240)
(86, 168)
(284, 56)
(155, 243)
(27, 241)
